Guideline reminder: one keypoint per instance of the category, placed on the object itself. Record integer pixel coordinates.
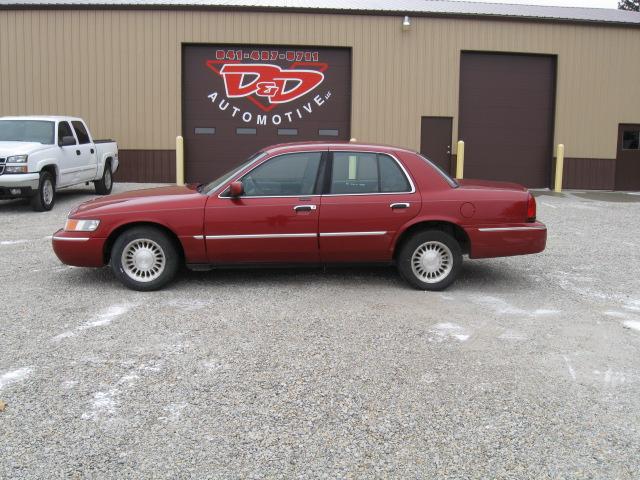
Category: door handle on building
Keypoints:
(400, 205)
(304, 208)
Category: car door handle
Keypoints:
(92, 150)
(400, 205)
(304, 208)
(77, 152)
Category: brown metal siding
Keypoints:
(120, 69)
(588, 173)
(157, 166)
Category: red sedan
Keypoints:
(305, 204)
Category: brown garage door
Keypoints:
(506, 116)
(237, 99)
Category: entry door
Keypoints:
(628, 157)
(435, 141)
(369, 199)
(274, 221)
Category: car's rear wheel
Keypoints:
(105, 184)
(144, 258)
(45, 196)
(430, 260)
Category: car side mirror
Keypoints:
(66, 141)
(236, 189)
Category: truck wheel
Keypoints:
(430, 260)
(105, 184)
(45, 197)
(144, 258)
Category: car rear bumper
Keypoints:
(77, 249)
(506, 240)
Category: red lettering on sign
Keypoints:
(270, 81)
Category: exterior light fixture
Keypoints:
(406, 23)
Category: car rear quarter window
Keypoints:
(392, 178)
(291, 174)
(366, 172)
(81, 132)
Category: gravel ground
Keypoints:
(527, 367)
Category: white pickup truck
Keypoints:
(39, 155)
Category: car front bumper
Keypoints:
(17, 185)
(78, 249)
(507, 240)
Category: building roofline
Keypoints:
(414, 8)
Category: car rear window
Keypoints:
(366, 172)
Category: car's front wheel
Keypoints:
(45, 197)
(430, 260)
(144, 258)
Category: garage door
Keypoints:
(506, 116)
(237, 99)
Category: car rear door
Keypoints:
(275, 220)
(88, 159)
(368, 197)
(68, 158)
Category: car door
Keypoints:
(275, 220)
(69, 159)
(88, 159)
(368, 197)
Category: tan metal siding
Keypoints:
(120, 70)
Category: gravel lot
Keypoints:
(527, 367)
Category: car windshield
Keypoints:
(449, 180)
(218, 182)
(40, 131)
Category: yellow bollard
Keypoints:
(179, 160)
(559, 167)
(460, 160)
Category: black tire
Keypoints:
(45, 198)
(132, 277)
(105, 184)
(438, 242)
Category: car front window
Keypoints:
(39, 131)
(221, 180)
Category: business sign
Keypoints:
(261, 87)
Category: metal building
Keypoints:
(232, 76)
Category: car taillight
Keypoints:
(531, 209)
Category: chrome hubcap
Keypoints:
(47, 192)
(432, 261)
(107, 178)
(143, 260)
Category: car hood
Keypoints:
(490, 185)
(150, 199)
(20, 148)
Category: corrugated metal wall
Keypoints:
(120, 70)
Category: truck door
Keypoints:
(68, 159)
(88, 156)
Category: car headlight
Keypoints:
(74, 225)
(16, 169)
(17, 159)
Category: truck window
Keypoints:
(64, 130)
(81, 132)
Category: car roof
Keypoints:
(52, 118)
(335, 145)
